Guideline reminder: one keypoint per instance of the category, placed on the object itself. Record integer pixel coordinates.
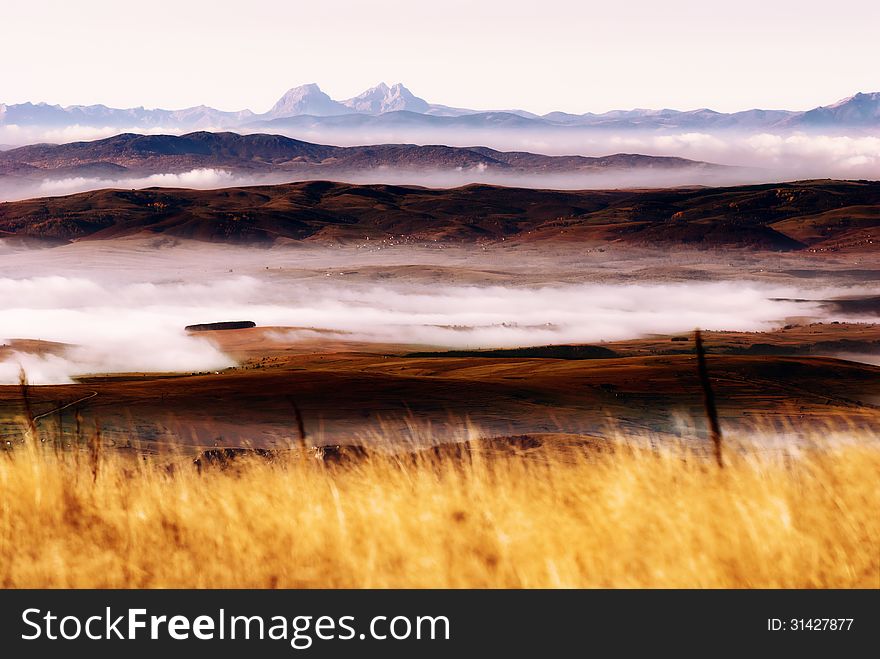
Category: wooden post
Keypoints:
(709, 399)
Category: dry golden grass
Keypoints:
(634, 517)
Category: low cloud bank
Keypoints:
(754, 157)
(200, 179)
(138, 327)
(15, 135)
(212, 178)
(770, 156)
(795, 155)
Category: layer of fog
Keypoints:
(213, 178)
(774, 156)
(787, 154)
(131, 319)
(14, 189)
(13, 135)
(753, 158)
(198, 179)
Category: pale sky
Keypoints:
(545, 55)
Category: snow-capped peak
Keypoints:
(306, 99)
(382, 98)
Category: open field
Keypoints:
(566, 514)
(352, 397)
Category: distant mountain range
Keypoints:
(308, 108)
(128, 155)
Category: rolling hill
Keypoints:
(129, 154)
(819, 216)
